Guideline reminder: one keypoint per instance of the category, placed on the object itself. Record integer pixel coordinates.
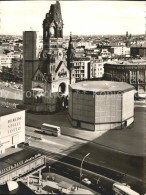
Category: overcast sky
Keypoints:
(79, 17)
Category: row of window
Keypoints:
(98, 64)
(79, 63)
(99, 73)
(78, 71)
(78, 75)
(97, 69)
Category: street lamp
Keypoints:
(82, 166)
(49, 168)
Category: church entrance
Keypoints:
(62, 88)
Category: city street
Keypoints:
(109, 163)
(62, 144)
(118, 152)
(100, 154)
(70, 167)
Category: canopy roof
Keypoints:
(65, 185)
(37, 89)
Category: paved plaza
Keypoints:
(129, 140)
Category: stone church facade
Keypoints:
(52, 72)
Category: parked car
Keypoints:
(6, 84)
(86, 181)
(25, 143)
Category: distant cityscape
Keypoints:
(87, 49)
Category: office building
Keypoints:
(121, 51)
(96, 68)
(12, 128)
(81, 66)
(132, 72)
(138, 51)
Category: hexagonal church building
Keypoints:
(101, 105)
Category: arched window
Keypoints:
(60, 33)
(52, 31)
(39, 77)
(37, 99)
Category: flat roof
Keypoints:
(6, 111)
(65, 184)
(128, 62)
(139, 47)
(16, 157)
(102, 86)
(81, 59)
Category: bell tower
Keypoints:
(52, 28)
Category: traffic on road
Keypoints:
(92, 179)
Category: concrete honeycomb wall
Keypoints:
(127, 105)
(83, 107)
(108, 108)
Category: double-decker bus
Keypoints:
(123, 189)
(50, 129)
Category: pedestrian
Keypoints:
(98, 181)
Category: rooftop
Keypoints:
(65, 185)
(81, 59)
(15, 158)
(102, 86)
(143, 46)
(129, 62)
